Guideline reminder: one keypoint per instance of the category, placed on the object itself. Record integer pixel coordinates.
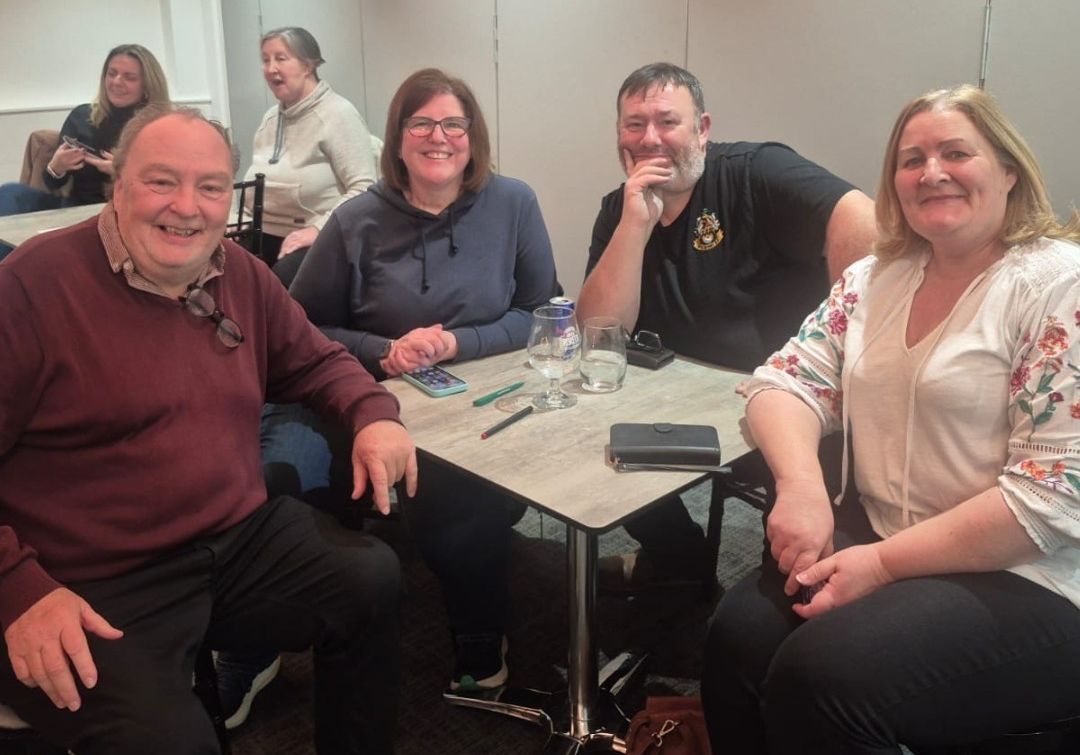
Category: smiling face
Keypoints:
(952, 187)
(436, 162)
(123, 81)
(172, 199)
(289, 78)
(660, 122)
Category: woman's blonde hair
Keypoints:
(155, 87)
(1028, 212)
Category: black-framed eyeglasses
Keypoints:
(647, 340)
(201, 304)
(453, 126)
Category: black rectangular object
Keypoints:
(663, 444)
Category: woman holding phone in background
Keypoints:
(130, 78)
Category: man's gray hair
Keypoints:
(660, 75)
(157, 111)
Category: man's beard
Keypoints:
(687, 166)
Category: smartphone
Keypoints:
(435, 381)
(79, 145)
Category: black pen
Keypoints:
(506, 422)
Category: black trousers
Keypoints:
(930, 662)
(271, 582)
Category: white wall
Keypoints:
(52, 51)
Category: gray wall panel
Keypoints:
(560, 67)
(828, 77)
(1034, 69)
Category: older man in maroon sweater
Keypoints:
(137, 352)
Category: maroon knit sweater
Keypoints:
(126, 427)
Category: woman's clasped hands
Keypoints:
(420, 347)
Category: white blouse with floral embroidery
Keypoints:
(991, 397)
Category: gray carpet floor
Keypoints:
(670, 626)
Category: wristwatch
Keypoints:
(387, 347)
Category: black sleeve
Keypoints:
(607, 220)
(794, 199)
(73, 127)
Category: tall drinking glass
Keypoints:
(603, 354)
(554, 346)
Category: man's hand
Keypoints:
(383, 453)
(848, 575)
(641, 203)
(298, 239)
(799, 528)
(48, 639)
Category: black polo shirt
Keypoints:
(733, 277)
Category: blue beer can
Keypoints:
(561, 301)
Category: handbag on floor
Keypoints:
(668, 726)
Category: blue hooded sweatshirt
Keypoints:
(381, 267)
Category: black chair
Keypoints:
(247, 231)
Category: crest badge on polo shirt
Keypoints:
(707, 232)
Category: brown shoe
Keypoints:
(630, 573)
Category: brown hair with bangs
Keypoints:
(415, 92)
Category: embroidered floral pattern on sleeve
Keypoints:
(1037, 386)
(826, 326)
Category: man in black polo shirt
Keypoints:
(721, 248)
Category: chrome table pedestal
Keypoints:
(586, 717)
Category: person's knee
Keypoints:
(152, 722)
(369, 570)
(815, 687)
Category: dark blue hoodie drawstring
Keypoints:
(423, 252)
(423, 263)
(453, 246)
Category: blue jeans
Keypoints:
(17, 198)
(932, 662)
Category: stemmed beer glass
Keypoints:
(554, 347)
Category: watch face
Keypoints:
(386, 349)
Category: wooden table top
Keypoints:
(15, 229)
(557, 460)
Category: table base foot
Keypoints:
(551, 711)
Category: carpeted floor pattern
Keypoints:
(669, 625)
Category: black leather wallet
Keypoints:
(663, 445)
(654, 359)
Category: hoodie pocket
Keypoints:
(282, 205)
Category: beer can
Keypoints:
(561, 301)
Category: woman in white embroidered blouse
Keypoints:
(938, 605)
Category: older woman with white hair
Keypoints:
(313, 146)
(937, 606)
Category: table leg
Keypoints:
(587, 715)
(581, 679)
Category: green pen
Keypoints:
(484, 400)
